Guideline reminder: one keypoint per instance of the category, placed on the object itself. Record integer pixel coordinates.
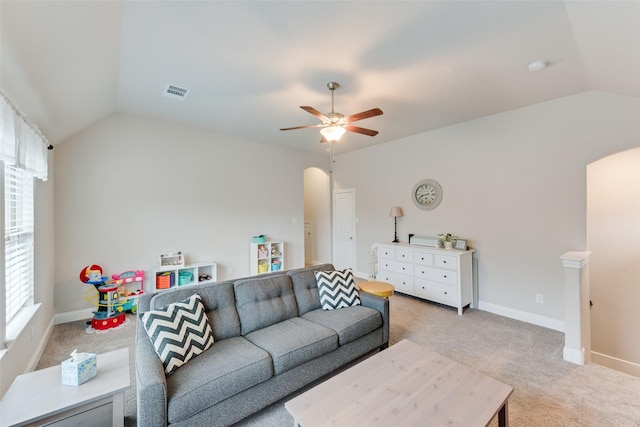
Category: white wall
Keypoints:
(129, 189)
(317, 208)
(514, 185)
(613, 215)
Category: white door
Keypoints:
(344, 229)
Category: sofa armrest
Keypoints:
(144, 302)
(151, 383)
(382, 305)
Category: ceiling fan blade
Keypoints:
(364, 115)
(315, 112)
(363, 131)
(319, 125)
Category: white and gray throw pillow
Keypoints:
(179, 332)
(337, 289)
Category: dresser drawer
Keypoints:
(438, 292)
(436, 275)
(396, 266)
(402, 283)
(404, 255)
(388, 253)
(421, 258)
(446, 261)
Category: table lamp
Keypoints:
(395, 213)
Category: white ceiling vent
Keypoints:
(175, 92)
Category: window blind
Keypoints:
(18, 238)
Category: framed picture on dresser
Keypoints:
(461, 244)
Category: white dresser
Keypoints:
(444, 276)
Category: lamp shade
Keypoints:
(396, 212)
(333, 132)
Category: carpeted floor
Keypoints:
(548, 390)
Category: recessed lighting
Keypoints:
(538, 65)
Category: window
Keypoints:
(23, 152)
(18, 239)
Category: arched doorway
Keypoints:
(613, 237)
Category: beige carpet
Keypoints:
(548, 390)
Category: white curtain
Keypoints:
(22, 145)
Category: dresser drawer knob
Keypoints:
(445, 292)
(445, 276)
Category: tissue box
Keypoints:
(79, 369)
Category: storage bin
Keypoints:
(259, 239)
(262, 252)
(263, 267)
(184, 277)
(275, 266)
(163, 280)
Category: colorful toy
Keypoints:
(123, 280)
(111, 308)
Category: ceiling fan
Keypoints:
(334, 125)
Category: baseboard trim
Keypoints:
(535, 319)
(72, 316)
(574, 356)
(615, 363)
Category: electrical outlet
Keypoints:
(540, 298)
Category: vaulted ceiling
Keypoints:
(249, 65)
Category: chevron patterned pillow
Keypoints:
(337, 289)
(179, 332)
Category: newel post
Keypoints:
(577, 316)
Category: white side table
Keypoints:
(38, 397)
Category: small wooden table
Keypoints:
(405, 385)
(38, 397)
(381, 289)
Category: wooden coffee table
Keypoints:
(405, 385)
(40, 398)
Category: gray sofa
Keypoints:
(271, 339)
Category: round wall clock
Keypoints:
(427, 194)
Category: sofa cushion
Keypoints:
(262, 302)
(337, 289)
(219, 303)
(293, 342)
(350, 324)
(227, 368)
(179, 332)
(305, 287)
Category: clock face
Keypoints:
(427, 194)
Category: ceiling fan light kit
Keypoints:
(334, 125)
(333, 132)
